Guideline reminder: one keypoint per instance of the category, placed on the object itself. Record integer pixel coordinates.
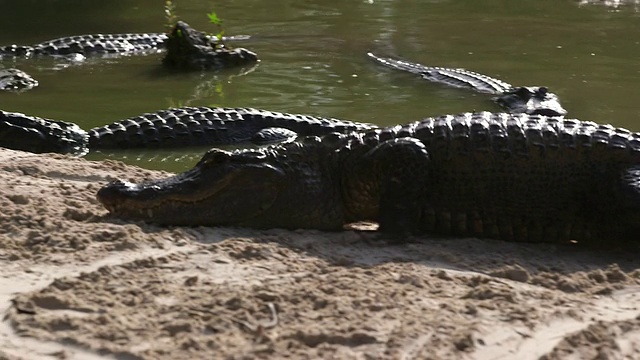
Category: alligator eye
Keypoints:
(252, 155)
(542, 90)
(215, 156)
(523, 93)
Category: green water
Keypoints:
(313, 60)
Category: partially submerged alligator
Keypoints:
(194, 50)
(96, 45)
(514, 99)
(179, 127)
(16, 80)
(494, 175)
(187, 49)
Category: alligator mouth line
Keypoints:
(120, 202)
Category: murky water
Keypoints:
(313, 60)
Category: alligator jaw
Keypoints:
(217, 191)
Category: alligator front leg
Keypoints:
(398, 170)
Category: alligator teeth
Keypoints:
(150, 213)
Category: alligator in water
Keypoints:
(190, 49)
(16, 80)
(506, 176)
(187, 126)
(186, 47)
(96, 45)
(514, 99)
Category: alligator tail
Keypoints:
(459, 78)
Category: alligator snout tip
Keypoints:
(112, 193)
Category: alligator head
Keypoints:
(252, 188)
(532, 100)
(190, 49)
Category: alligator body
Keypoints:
(612, 3)
(95, 45)
(494, 175)
(16, 80)
(179, 127)
(514, 99)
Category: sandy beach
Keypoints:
(79, 284)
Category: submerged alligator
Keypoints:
(514, 177)
(514, 99)
(179, 127)
(16, 80)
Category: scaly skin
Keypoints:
(530, 100)
(15, 80)
(180, 127)
(30, 133)
(504, 176)
(94, 45)
(195, 126)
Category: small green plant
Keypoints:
(215, 20)
(170, 14)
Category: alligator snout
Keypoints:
(114, 193)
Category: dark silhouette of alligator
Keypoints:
(179, 127)
(494, 175)
(519, 99)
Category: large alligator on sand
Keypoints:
(179, 127)
(494, 175)
(514, 99)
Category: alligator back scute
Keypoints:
(15, 50)
(194, 126)
(170, 128)
(100, 44)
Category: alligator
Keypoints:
(612, 3)
(190, 49)
(16, 80)
(176, 127)
(513, 177)
(97, 45)
(514, 99)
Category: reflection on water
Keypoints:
(314, 59)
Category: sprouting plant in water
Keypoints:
(170, 14)
(215, 20)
